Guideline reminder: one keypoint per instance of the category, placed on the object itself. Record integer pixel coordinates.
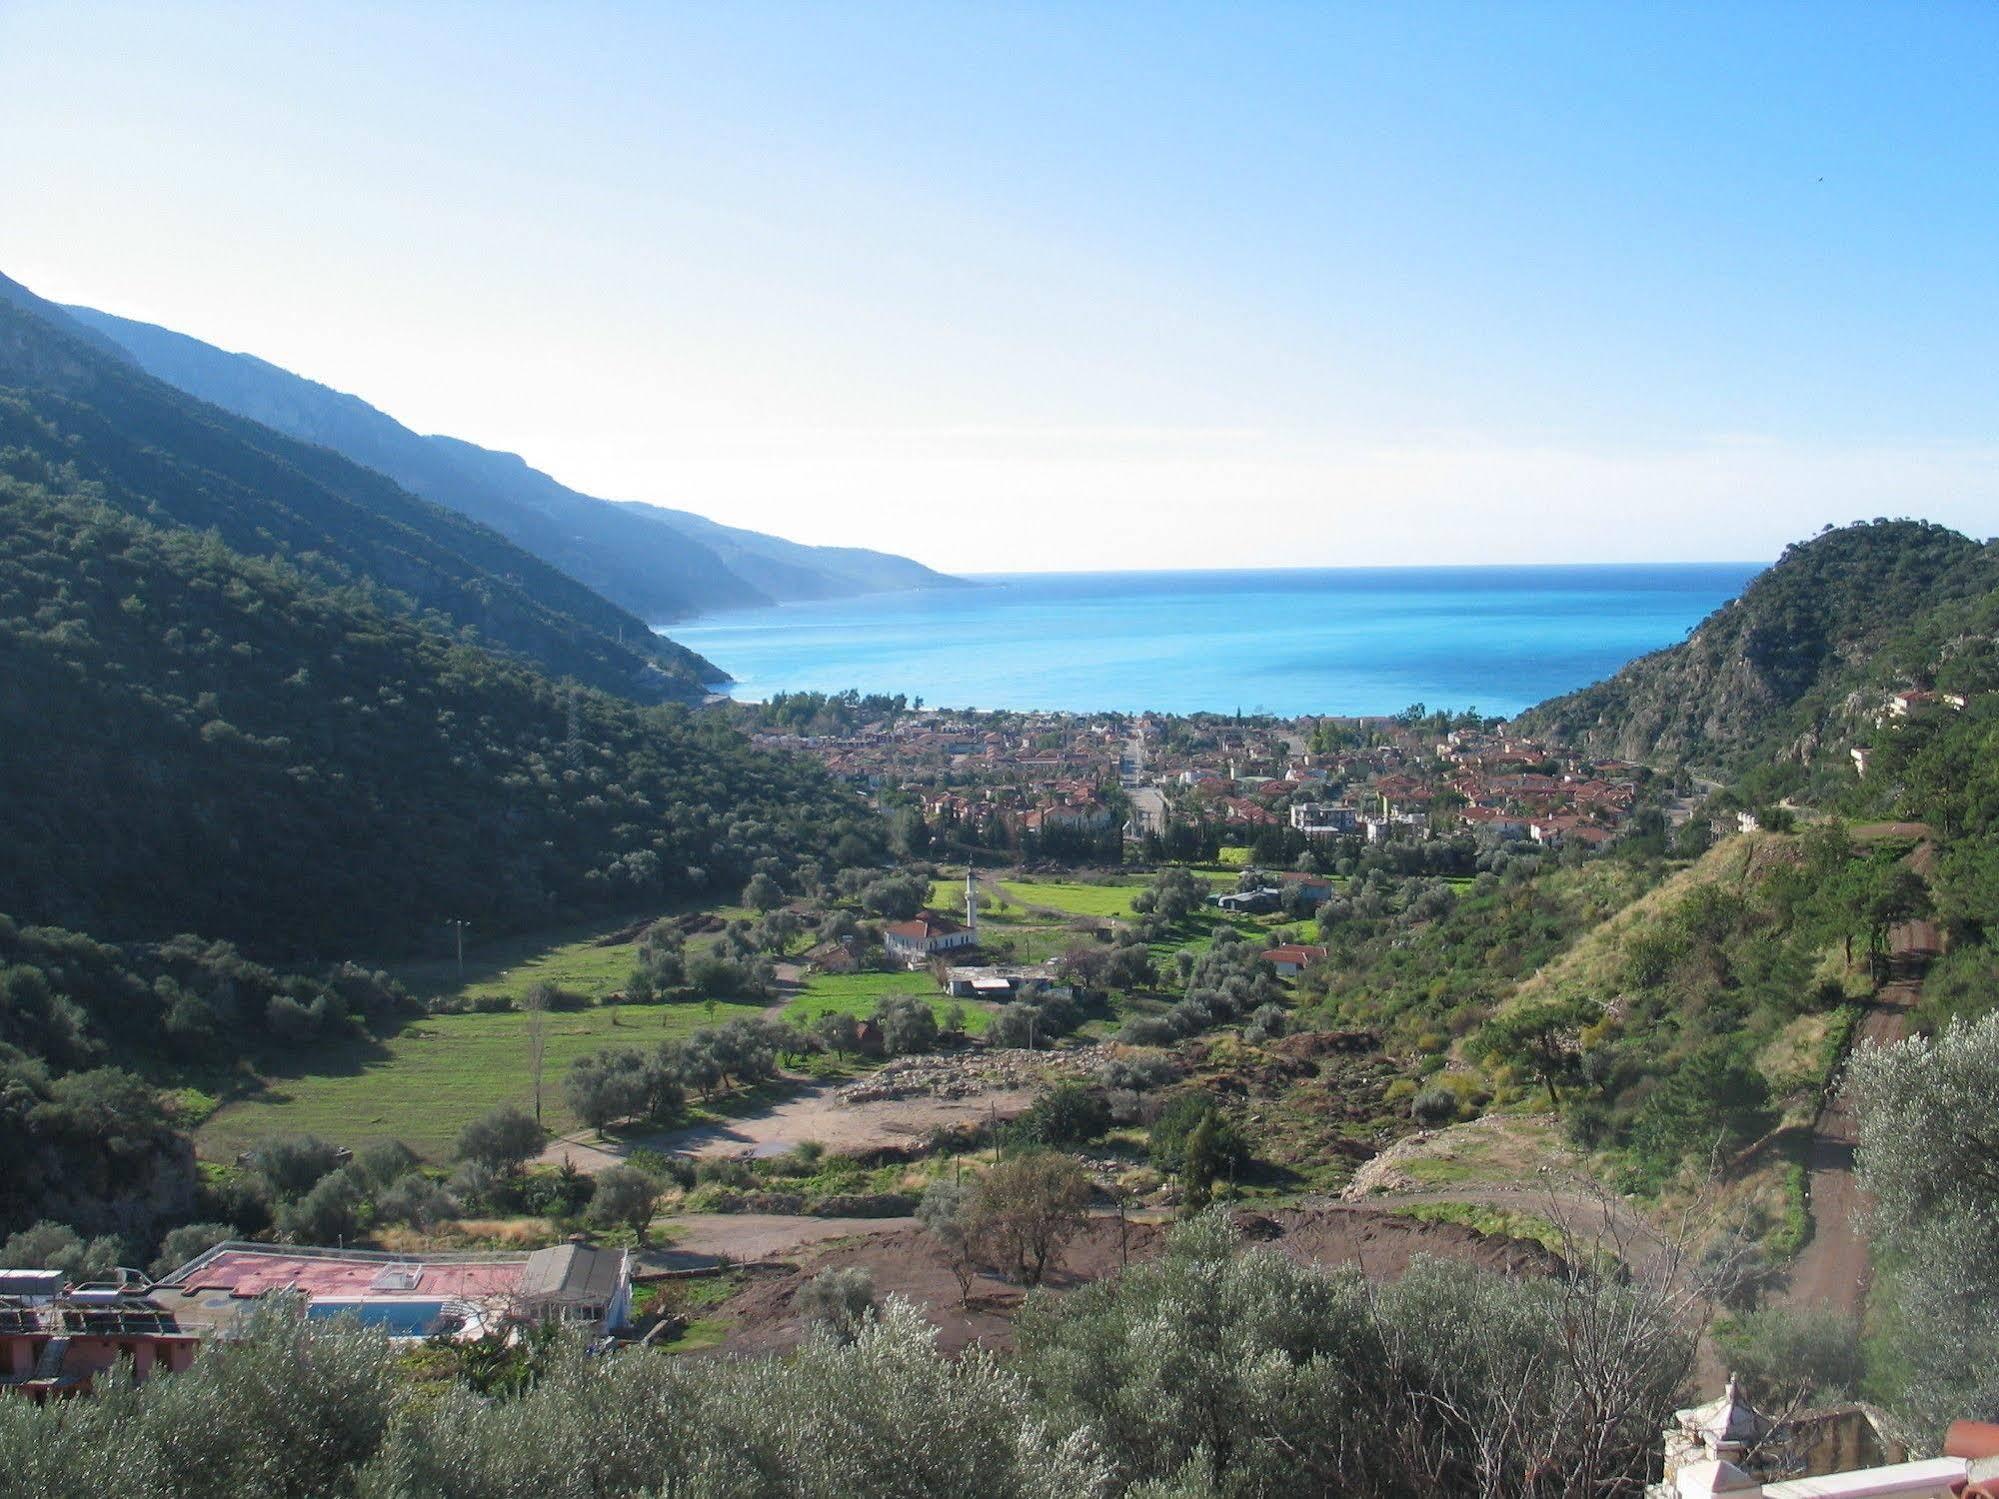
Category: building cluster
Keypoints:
(998, 776)
(995, 776)
(1393, 782)
(59, 1340)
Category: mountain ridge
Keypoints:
(661, 564)
(69, 406)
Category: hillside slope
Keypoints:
(1770, 673)
(660, 564)
(69, 407)
(194, 740)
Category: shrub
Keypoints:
(1806, 1355)
(329, 1214)
(840, 1301)
(293, 1166)
(1068, 1114)
(415, 1200)
(1146, 1030)
(1434, 1107)
(1167, 1140)
(382, 1164)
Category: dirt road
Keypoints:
(1832, 1270)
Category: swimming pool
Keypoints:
(399, 1319)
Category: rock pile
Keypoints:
(966, 1074)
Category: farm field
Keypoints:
(856, 994)
(426, 1082)
(1074, 898)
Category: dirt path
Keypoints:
(790, 979)
(1832, 1270)
(701, 1240)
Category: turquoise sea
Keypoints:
(1335, 640)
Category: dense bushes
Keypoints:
(73, 1001)
(1230, 981)
(95, 1149)
(625, 1084)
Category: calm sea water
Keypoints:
(1343, 641)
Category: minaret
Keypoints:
(971, 902)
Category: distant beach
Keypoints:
(1330, 641)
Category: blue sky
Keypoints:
(1063, 286)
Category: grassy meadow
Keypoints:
(426, 1082)
(857, 993)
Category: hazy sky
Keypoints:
(1066, 286)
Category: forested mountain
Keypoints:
(252, 691)
(1798, 664)
(660, 564)
(71, 408)
(196, 740)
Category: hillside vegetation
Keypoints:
(1771, 674)
(195, 740)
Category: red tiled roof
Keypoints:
(924, 927)
(1298, 953)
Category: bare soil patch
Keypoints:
(901, 1104)
(812, 1112)
(902, 1262)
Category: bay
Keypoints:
(1291, 641)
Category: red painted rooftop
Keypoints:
(249, 1273)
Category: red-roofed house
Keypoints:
(1290, 959)
(926, 935)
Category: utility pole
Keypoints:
(459, 926)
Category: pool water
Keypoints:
(399, 1319)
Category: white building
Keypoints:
(1324, 819)
(927, 934)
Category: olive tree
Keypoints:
(1026, 1209)
(906, 1023)
(290, 1410)
(1929, 1156)
(57, 1246)
(626, 1197)
(946, 1215)
(504, 1139)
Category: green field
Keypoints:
(1074, 898)
(589, 959)
(423, 1084)
(856, 994)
